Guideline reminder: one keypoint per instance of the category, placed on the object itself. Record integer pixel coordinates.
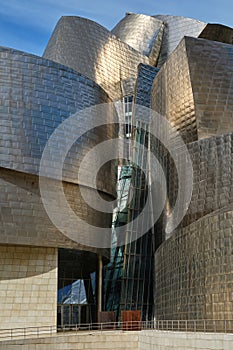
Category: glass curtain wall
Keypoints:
(76, 288)
(128, 277)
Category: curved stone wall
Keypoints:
(93, 51)
(194, 270)
(36, 96)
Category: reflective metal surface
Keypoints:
(172, 94)
(143, 88)
(95, 52)
(193, 267)
(143, 33)
(176, 27)
(193, 89)
(36, 96)
(217, 32)
(190, 271)
(193, 270)
(213, 180)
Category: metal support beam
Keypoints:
(100, 282)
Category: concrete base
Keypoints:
(153, 340)
(144, 340)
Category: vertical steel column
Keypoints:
(100, 283)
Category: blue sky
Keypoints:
(27, 24)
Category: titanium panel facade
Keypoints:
(212, 161)
(193, 266)
(211, 75)
(188, 275)
(194, 89)
(212, 179)
(172, 95)
(93, 51)
(193, 271)
(143, 33)
(176, 28)
(36, 96)
(217, 32)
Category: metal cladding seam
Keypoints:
(92, 50)
(217, 32)
(37, 95)
(193, 89)
(143, 33)
(176, 27)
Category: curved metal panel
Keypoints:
(193, 271)
(24, 221)
(212, 162)
(217, 32)
(37, 95)
(176, 28)
(143, 33)
(194, 89)
(93, 51)
(172, 95)
(211, 74)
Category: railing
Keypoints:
(29, 332)
(216, 326)
(206, 326)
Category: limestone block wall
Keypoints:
(184, 341)
(80, 341)
(28, 287)
(144, 340)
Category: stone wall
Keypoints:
(145, 340)
(184, 341)
(28, 287)
(71, 341)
